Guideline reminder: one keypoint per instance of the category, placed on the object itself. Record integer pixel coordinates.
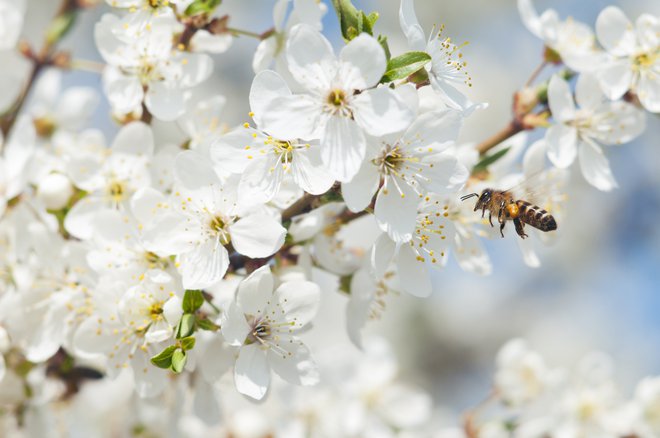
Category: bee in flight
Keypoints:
(501, 203)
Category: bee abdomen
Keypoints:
(536, 216)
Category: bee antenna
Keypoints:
(471, 195)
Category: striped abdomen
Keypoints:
(536, 216)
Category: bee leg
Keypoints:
(502, 224)
(490, 219)
(520, 228)
(483, 212)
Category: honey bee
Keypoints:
(505, 206)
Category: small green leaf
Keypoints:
(186, 326)
(382, 40)
(187, 343)
(489, 159)
(349, 18)
(164, 358)
(59, 27)
(178, 360)
(404, 65)
(202, 7)
(192, 300)
(207, 324)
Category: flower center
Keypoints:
(45, 126)
(646, 60)
(158, 3)
(219, 227)
(116, 191)
(154, 261)
(337, 98)
(284, 149)
(156, 311)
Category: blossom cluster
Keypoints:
(162, 265)
(537, 400)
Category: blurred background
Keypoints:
(597, 287)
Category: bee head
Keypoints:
(484, 199)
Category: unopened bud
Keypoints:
(525, 100)
(54, 191)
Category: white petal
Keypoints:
(359, 191)
(413, 274)
(363, 62)
(447, 174)
(290, 117)
(255, 291)
(615, 32)
(405, 407)
(76, 105)
(381, 111)
(436, 128)
(265, 53)
(147, 204)
(562, 145)
(136, 138)
(410, 26)
(124, 93)
(217, 359)
(91, 337)
(196, 69)
(79, 221)
(309, 173)
(648, 31)
(204, 41)
(382, 253)
(595, 167)
(534, 159)
(257, 235)
(529, 256)
(261, 180)
(359, 304)
(560, 99)
(293, 362)
(648, 90)
(204, 266)
(251, 372)
(235, 328)
(267, 88)
(343, 147)
(397, 211)
(588, 93)
(310, 57)
(615, 78)
(530, 17)
(299, 300)
(193, 171)
(164, 102)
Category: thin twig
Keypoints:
(535, 73)
(508, 131)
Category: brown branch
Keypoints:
(508, 131)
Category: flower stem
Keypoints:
(259, 36)
(507, 132)
(86, 65)
(39, 61)
(535, 73)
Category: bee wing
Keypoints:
(545, 188)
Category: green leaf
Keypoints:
(349, 18)
(404, 65)
(164, 358)
(202, 7)
(187, 343)
(192, 300)
(186, 326)
(207, 324)
(382, 40)
(178, 360)
(489, 159)
(59, 27)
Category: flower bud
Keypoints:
(54, 191)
